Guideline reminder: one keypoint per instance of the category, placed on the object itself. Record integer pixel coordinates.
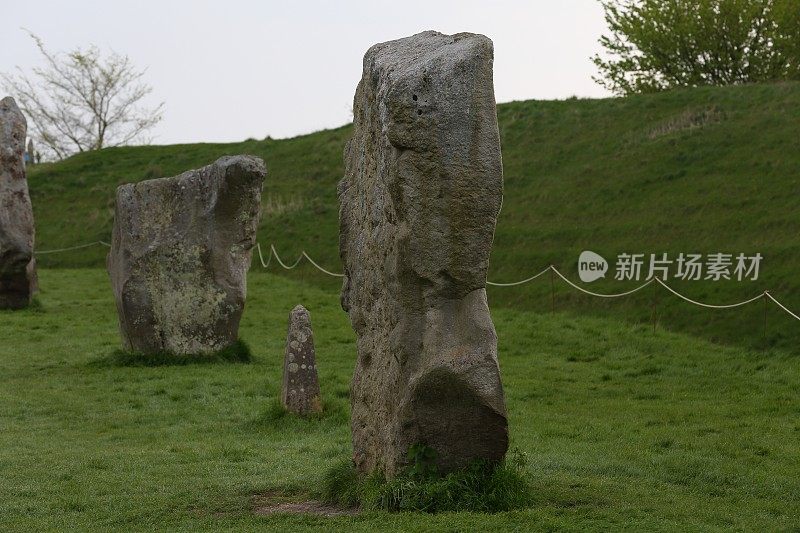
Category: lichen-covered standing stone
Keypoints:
(300, 392)
(180, 253)
(418, 205)
(17, 263)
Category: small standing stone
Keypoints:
(29, 153)
(17, 263)
(300, 392)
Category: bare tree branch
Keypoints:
(83, 101)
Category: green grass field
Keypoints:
(623, 427)
(703, 170)
(693, 426)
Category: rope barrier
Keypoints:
(80, 246)
(520, 282)
(780, 305)
(261, 256)
(319, 267)
(551, 268)
(619, 295)
(274, 252)
(701, 304)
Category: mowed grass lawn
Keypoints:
(623, 427)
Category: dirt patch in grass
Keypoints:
(690, 119)
(271, 503)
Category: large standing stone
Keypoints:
(180, 253)
(300, 391)
(418, 204)
(17, 264)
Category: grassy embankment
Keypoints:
(704, 170)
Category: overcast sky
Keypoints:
(232, 69)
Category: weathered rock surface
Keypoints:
(300, 392)
(179, 256)
(418, 205)
(17, 263)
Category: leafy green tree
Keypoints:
(654, 45)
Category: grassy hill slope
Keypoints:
(704, 170)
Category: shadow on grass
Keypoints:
(274, 416)
(35, 306)
(239, 352)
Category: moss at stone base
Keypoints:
(480, 487)
(238, 352)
